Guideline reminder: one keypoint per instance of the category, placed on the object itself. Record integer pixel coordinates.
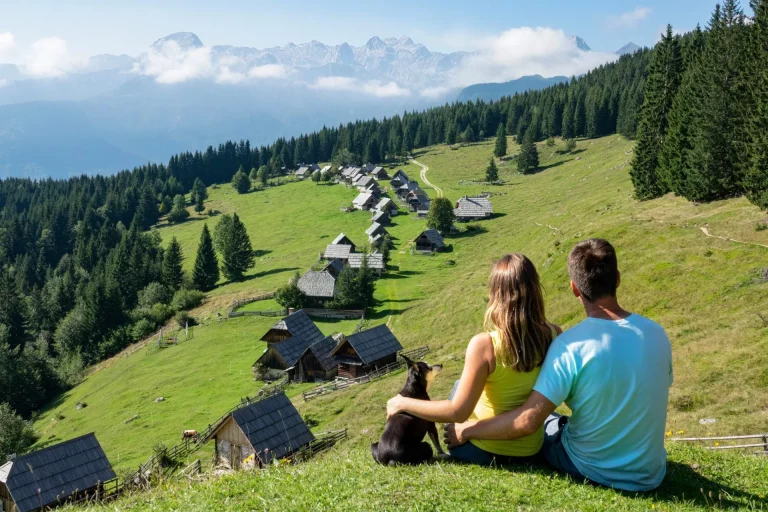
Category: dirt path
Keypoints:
(424, 170)
(706, 232)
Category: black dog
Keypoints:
(403, 439)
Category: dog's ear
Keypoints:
(410, 363)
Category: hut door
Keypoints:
(235, 457)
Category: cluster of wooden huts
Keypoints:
(298, 348)
(320, 285)
(306, 171)
(410, 193)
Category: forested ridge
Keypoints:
(82, 275)
(703, 130)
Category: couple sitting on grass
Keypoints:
(613, 371)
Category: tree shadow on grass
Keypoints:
(260, 253)
(471, 231)
(543, 168)
(258, 275)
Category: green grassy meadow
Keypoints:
(706, 291)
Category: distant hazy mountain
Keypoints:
(495, 91)
(117, 111)
(581, 44)
(628, 48)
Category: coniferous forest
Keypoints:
(82, 275)
(702, 131)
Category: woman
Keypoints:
(500, 367)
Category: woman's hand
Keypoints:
(395, 405)
(453, 433)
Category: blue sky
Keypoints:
(91, 27)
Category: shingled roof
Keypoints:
(56, 473)
(373, 344)
(474, 207)
(375, 261)
(318, 284)
(374, 228)
(300, 325)
(434, 238)
(322, 351)
(292, 349)
(273, 424)
(337, 251)
(342, 239)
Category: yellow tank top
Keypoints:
(506, 389)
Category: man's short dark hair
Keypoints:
(593, 268)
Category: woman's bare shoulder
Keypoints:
(481, 343)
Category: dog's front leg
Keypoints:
(435, 440)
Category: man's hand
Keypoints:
(394, 405)
(453, 433)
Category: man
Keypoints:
(613, 371)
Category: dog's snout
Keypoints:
(437, 368)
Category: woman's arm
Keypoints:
(514, 424)
(457, 409)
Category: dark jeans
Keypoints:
(553, 450)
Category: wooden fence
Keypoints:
(337, 314)
(274, 313)
(340, 384)
(242, 302)
(745, 442)
(190, 445)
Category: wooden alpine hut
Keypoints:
(364, 352)
(257, 434)
(55, 475)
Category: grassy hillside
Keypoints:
(705, 290)
(343, 480)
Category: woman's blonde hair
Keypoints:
(516, 312)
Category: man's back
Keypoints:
(614, 375)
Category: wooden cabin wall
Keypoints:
(276, 336)
(272, 359)
(5, 499)
(233, 448)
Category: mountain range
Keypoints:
(117, 111)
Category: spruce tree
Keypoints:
(450, 134)
(568, 118)
(491, 172)
(11, 310)
(714, 168)
(205, 275)
(756, 175)
(660, 90)
(240, 181)
(528, 159)
(500, 149)
(237, 252)
(173, 275)
(676, 150)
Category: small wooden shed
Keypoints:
(364, 352)
(429, 240)
(259, 433)
(297, 323)
(316, 363)
(54, 475)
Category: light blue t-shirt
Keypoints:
(615, 378)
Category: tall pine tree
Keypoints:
(237, 252)
(717, 159)
(528, 159)
(500, 149)
(491, 172)
(205, 275)
(173, 275)
(660, 90)
(756, 175)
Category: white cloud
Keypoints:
(49, 57)
(527, 51)
(268, 71)
(3, 83)
(7, 43)
(435, 92)
(371, 88)
(171, 64)
(628, 19)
